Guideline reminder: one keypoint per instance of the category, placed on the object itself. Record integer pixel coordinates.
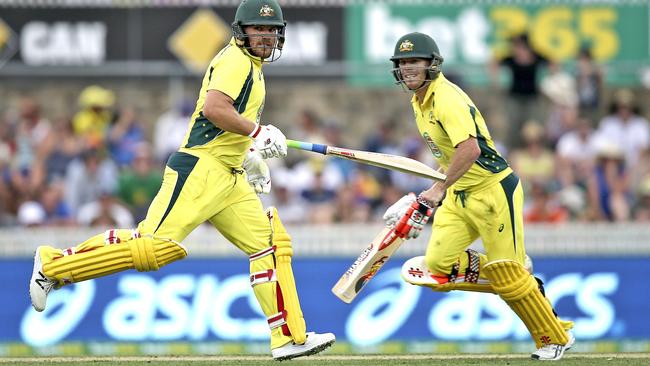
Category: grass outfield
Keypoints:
(622, 359)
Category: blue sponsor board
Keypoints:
(211, 300)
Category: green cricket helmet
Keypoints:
(259, 12)
(416, 45)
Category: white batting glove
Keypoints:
(258, 173)
(398, 209)
(269, 141)
(411, 224)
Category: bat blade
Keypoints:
(386, 161)
(369, 262)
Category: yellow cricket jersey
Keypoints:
(236, 74)
(448, 117)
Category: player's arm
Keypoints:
(465, 155)
(228, 75)
(219, 109)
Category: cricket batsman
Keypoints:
(214, 177)
(481, 198)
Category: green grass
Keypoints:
(620, 359)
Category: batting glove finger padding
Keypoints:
(413, 221)
(398, 209)
(258, 173)
(269, 141)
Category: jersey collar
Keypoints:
(256, 60)
(431, 89)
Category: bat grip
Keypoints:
(318, 148)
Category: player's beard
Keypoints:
(262, 50)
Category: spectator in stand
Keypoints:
(350, 207)
(543, 206)
(383, 138)
(31, 213)
(309, 127)
(642, 206)
(124, 136)
(105, 212)
(31, 130)
(61, 147)
(303, 174)
(625, 127)
(524, 65)
(6, 197)
(87, 177)
(95, 116)
(389, 195)
(534, 163)
(321, 199)
(560, 89)
(57, 212)
(332, 136)
(589, 80)
(287, 201)
(575, 155)
(608, 188)
(138, 185)
(170, 130)
(360, 196)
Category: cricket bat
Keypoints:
(373, 257)
(386, 161)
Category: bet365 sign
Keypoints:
(469, 35)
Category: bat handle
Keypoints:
(318, 148)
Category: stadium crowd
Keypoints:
(103, 167)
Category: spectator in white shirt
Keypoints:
(625, 127)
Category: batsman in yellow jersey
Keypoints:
(481, 198)
(213, 177)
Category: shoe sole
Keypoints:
(313, 351)
(37, 257)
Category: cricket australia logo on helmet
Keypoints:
(406, 46)
(266, 11)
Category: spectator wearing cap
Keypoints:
(625, 127)
(94, 117)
